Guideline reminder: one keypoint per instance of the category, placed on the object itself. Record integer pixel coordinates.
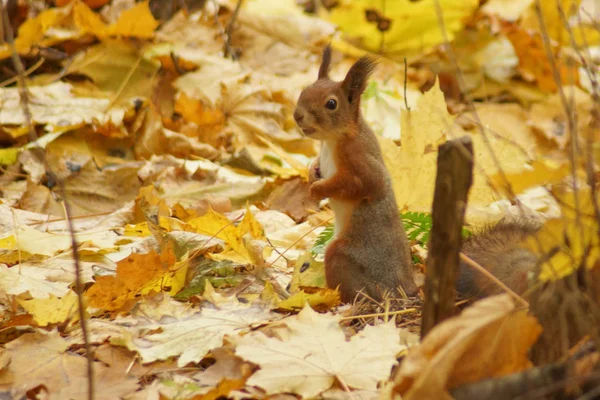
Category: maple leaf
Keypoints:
(116, 67)
(316, 354)
(62, 374)
(187, 333)
(138, 274)
(52, 310)
(218, 225)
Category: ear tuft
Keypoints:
(358, 76)
(325, 63)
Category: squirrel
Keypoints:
(370, 250)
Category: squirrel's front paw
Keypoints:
(314, 173)
(316, 191)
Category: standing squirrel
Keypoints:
(370, 250)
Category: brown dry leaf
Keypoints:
(89, 190)
(117, 67)
(182, 33)
(316, 354)
(228, 373)
(11, 218)
(155, 140)
(121, 359)
(489, 339)
(292, 197)
(64, 375)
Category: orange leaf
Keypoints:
(533, 61)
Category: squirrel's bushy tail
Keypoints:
(498, 249)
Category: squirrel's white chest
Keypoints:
(328, 168)
(327, 165)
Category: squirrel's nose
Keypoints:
(298, 115)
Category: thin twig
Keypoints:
(229, 29)
(388, 313)
(405, 83)
(570, 115)
(492, 278)
(592, 76)
(28, 72)
(16, 59)
(78, 290)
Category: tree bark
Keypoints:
(453, 180)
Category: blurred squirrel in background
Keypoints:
(370, 250)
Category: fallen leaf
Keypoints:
(489, 339)
(64, 375)
(190, 335)
(316, 354)
(570, 241)
(116, 67)
(422, 32)
(52, 310)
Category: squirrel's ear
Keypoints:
(357, 77)
(325, 63)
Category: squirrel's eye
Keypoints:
(331, 104)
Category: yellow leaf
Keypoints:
(33, 30)
(572, 239)
(322, 300)
(413, 166)
(9, 156)
(307, 272)
(88, 21)
(539, 172)
(423, 129)
(218, 225)
(52, 310)
(555, 23)
(413, 25)
(116, 66)
(137, 22)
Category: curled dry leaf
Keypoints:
(489, 339)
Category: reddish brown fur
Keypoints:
(370, 251)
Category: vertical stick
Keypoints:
(452, 183)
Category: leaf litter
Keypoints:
(185, 175)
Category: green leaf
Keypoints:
(322, 241)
